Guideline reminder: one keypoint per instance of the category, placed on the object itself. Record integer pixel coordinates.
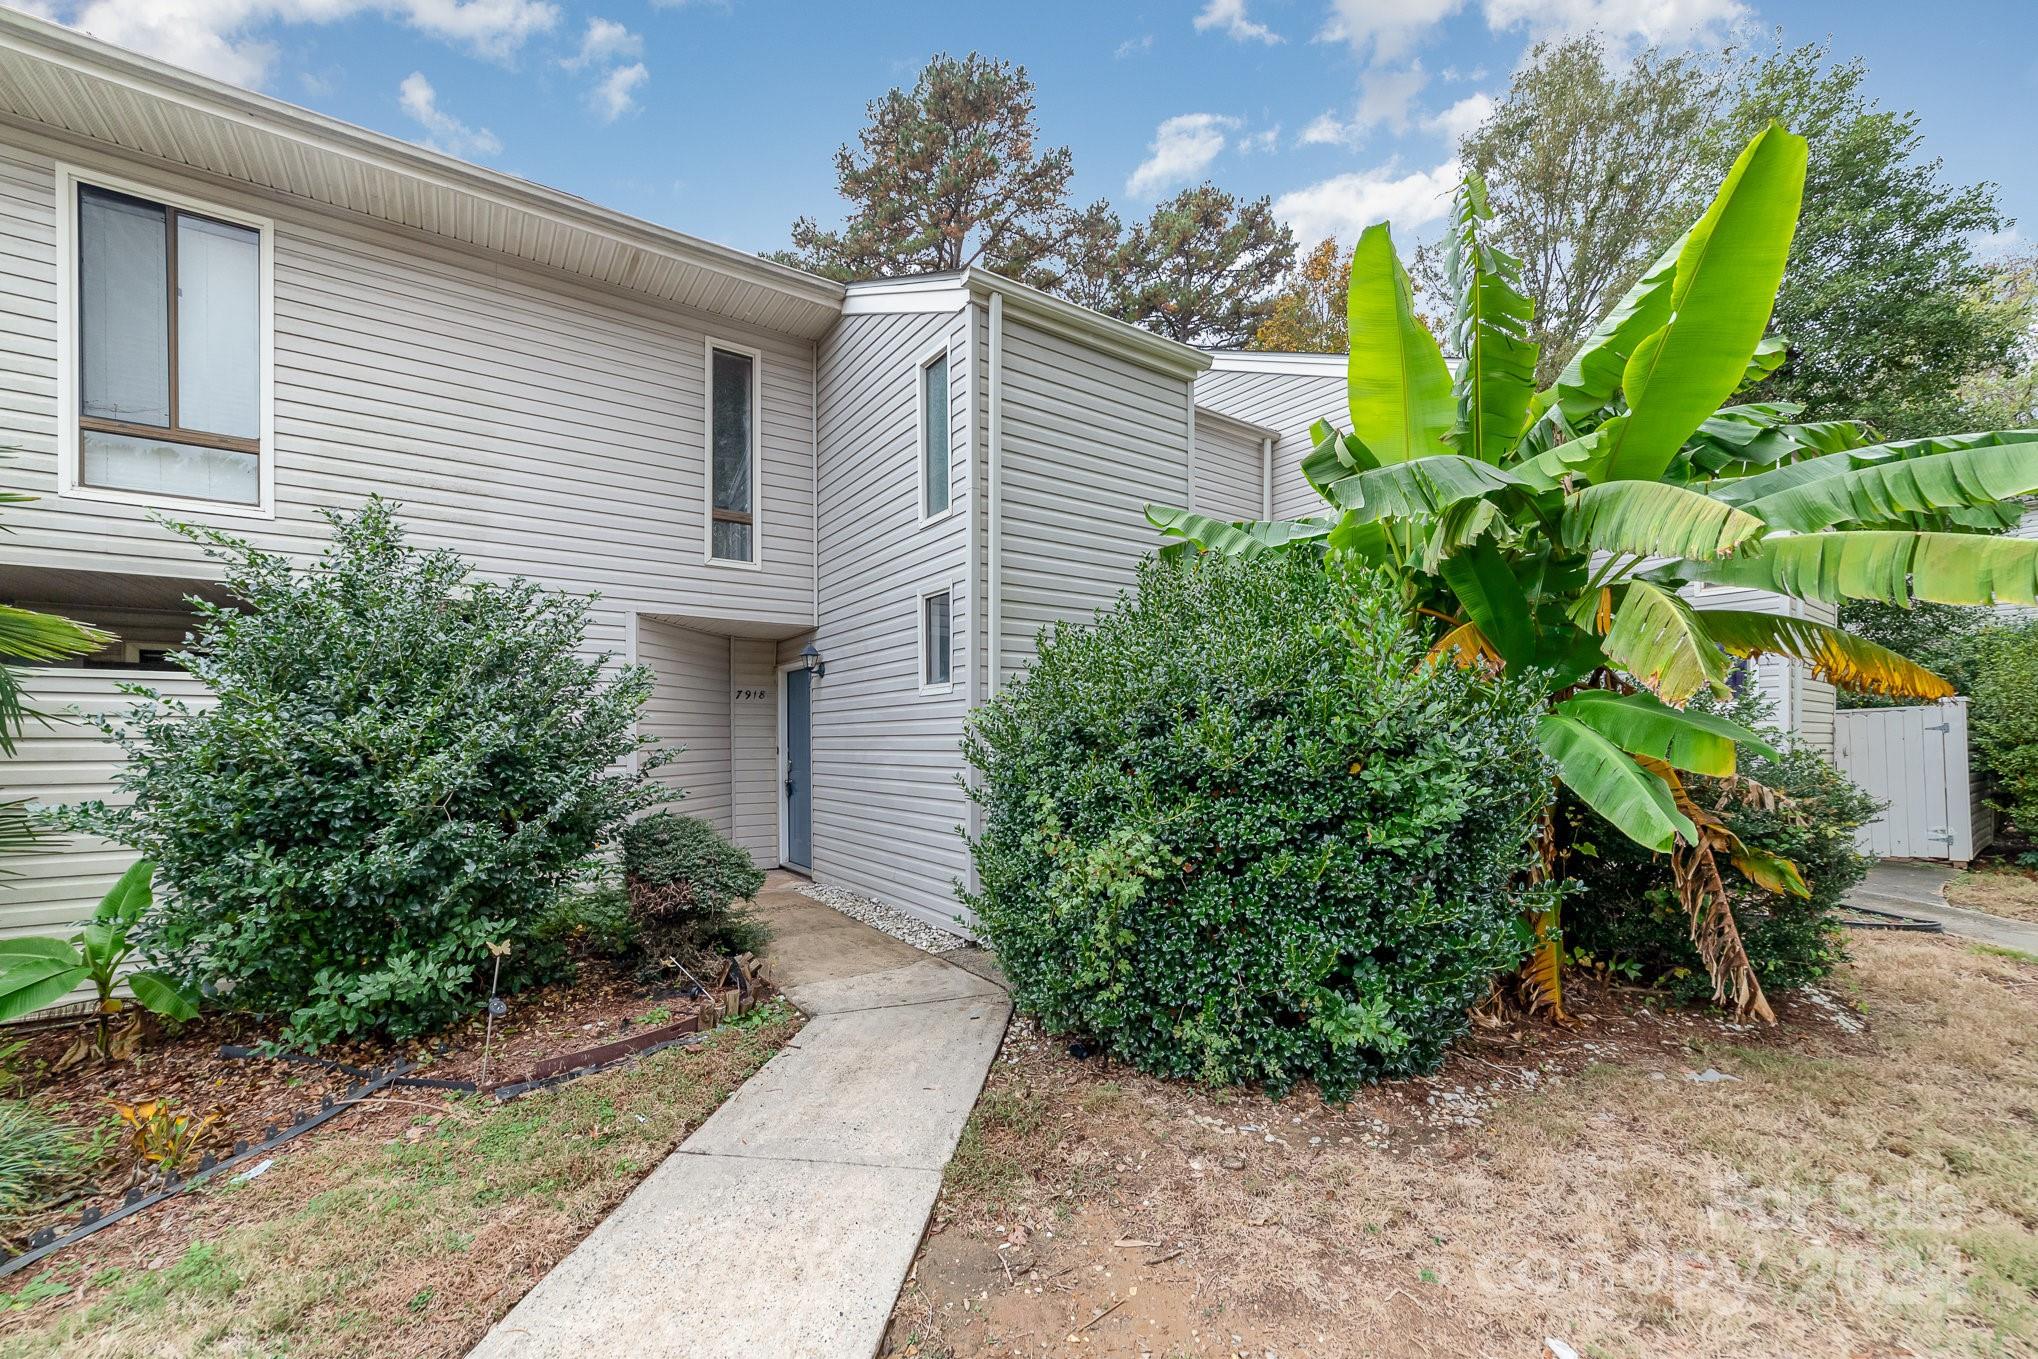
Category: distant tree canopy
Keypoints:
(1885, 304)
(946, 175)
(951, 174)
(1307, 315)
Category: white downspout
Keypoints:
(1190, 470)
(994, 501)
(1266, 476)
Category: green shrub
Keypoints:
(1628, 910)
(402, 763)
(1238, 831)
(2003, 723)
(595, 919)
(38, 1157)
(684, 880)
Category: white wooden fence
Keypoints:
(1915, 760)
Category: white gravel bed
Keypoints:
(888, 919)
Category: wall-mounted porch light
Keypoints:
(815, 665)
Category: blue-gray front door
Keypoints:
(799, 768)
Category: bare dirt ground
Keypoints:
(1860, 1182)
(1998, 888)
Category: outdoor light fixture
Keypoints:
(815, 665)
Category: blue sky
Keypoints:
(720, 117)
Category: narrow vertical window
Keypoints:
(732, 444)
(934, 436)
(169, 317)
(936, 642)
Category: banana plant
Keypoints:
(36, 971)
(1556, 530)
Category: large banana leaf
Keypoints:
(1246, 538)
(1497, 368)
(1654, 519)
(1727, 276)
(1642, 724)
(1831, 449)
(1493, 598)
(1608, 780)
(1420, 488)
(1894, 566)
(1589, 381)
(1983, 476)
(1582, 459)
(1333, 456)
(1658, 640)
(1400, 387)
(1841, 658)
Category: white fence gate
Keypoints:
(1915, 759)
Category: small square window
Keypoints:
(934, 436)
(936, 641)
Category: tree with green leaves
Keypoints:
(1589, 172)
(1203, 268)
(947, 175)
(1551, 529)
(1308, 315)
(1884, 301)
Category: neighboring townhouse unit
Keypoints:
(829, 519)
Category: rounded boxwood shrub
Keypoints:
(1239, 830)
(684, 881)
(1627, 914)
(401, 763)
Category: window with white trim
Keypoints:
(934, 488)
(732, 455)
(168, 317)
(937, 643)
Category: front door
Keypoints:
(799, 765)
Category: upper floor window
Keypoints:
(934, 436)
(732, 454)
(169, 351)
(937, 642)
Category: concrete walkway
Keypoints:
(1909, 887)
(783, 1228)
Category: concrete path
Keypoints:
(783, 1228)
(1913, 888)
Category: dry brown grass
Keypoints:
(401, 1235)
(1859, 1195)
(1999, 889)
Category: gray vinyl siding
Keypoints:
(1229, 469)
(539, 427)
(1288, 402)
(1090, 439)
(688, 713)
(886, 755)
(61, 760)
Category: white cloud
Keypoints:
(1132, 47)
(1461, 117)
(221, 37)
(1386, 97)
(1230, 16)
(1388, 28)
(605, 40)
(1345, 205)
(616, 94)
(1650, 21)
(446, 133)
(1183, 148)
(1266, 139)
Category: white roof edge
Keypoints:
(75, 51)
(1267, 361)
(1080, 323)
(943, 292)
(1217, 416)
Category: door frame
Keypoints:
(778, 763)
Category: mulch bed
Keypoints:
(182, 1066)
